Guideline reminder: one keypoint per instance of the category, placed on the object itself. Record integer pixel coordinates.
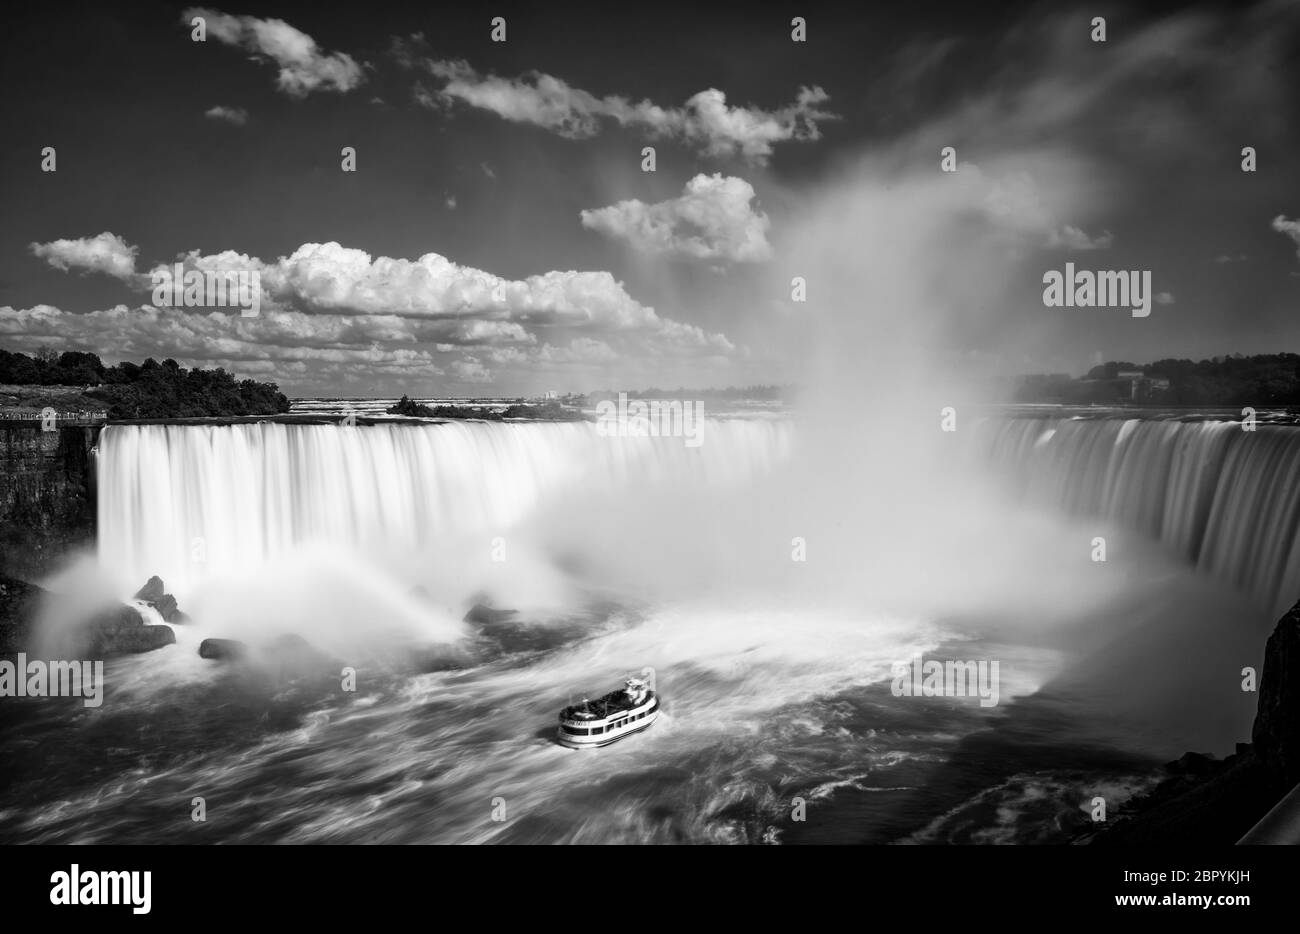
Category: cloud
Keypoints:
(304, 68)
(107, 253)
(1290, 228)
(333, 314)
(330, 277)
(1072, 238)
(714, 219)
(1164, 298)
(236, 115)
(470, 370)
(706, 121)
(1015, 204)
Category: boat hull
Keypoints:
(572, 742)
(594, 733)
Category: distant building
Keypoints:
(551, 394)
(1142, 388)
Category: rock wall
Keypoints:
(1207, 802)
(47, 498)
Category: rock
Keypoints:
(122, 631)
(118, 630)
(16, 599)
(1193, 763)
(1276, 733)
(167, 608)
(152, 591)
(482, 613)
(1205, 802)
(223, 649)
(142, 639)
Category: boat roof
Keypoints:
(606, 706)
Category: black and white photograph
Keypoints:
(796, 424)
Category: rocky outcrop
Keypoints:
(223, 649)
(117, 630)
(289, 657)
(155, 594)
(482, 613)
(17, 599)
(122, 631)
(1276, 734)
(1205, 801)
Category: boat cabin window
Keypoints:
(576, 730)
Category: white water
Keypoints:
(192, 501)
(1223, 499)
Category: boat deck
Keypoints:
(606, 706)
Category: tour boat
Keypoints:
(595, 723)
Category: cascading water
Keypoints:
(775, 671)
(1225, 499)
(192, 500)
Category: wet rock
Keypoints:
(154, 593)
(122, 631)
(167, 608)
(145, 638)
(482, 613)
(1204, 801)
(231, 649)
(16, 600)
(1276, 733)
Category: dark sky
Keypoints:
(457, 258)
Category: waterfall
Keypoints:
(177, 500)
(1225, 499)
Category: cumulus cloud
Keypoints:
(329, 312)
(304, 68)
(1288, 227)
(331, 279)
(714, 219)
(106, 253)
(328, 277)
(236, 115)
(705, 121)
(1164, 298)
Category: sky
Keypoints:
(499, 233)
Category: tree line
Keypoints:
(147, 390)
